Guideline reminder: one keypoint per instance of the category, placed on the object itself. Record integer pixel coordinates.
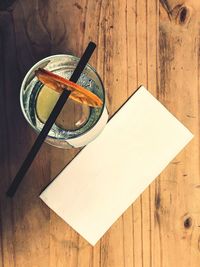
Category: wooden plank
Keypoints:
(22, 220)
(141, 70)
(178, 203)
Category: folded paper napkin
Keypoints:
(107, 176)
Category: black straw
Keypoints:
(51, 120)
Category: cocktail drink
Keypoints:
(80, 121)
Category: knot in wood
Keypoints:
(188, 222)
(181, 14)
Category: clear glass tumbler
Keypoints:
(77, 124)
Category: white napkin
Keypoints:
(107, 176)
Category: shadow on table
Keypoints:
(24, 39)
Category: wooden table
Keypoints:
(138, 42)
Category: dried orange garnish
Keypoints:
(58, 83)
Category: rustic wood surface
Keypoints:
(139, 42)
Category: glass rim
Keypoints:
(23, 84)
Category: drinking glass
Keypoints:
(77, 124)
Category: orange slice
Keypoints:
(58, 83)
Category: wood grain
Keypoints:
(139, 42)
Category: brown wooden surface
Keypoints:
(139, 42)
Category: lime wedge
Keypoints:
(46, 101)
